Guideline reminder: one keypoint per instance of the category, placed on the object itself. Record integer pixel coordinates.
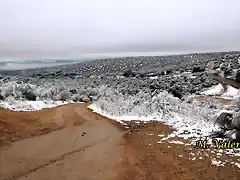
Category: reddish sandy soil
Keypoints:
(71, 142)
(213, 99)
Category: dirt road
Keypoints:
(70, 142)
(84, 149)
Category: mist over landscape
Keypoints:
(77, 29)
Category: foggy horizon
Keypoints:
(78, 29)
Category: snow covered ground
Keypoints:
(30, 105)
(188, 120)
(218, 91)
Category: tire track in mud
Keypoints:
(21, 174)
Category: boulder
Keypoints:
(224, 120)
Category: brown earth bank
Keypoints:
(71, 142)
(212, 99)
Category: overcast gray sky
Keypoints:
(32, 29)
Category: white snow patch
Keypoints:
(30, 105)
(164, 139)
(215, 90)
(194, 128)
(186, 74)
(176, 142)
(231, 92)
(191, 153)
(237, 164)
(218, 90)
(120, 119)
(153, 77)
(217, 163)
